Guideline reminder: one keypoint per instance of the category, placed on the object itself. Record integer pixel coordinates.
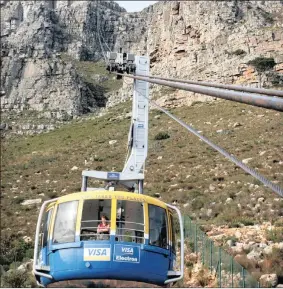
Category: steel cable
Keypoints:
(272, 92)
(247, 169)
(259, 100)
(98, 30)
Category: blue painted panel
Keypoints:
(91, 261)
(113, 176)
(63, 259)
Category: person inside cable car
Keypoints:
(103, 227)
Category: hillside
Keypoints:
(181, 168)
(199, 40)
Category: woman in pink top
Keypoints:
(103, 227)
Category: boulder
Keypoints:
(255, 255)
(268, 280)
(31, 202)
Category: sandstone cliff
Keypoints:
(199, 40)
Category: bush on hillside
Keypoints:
(161, 136)
(262, 64)
(239, 52)
(13, 249)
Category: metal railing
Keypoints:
(227, 271)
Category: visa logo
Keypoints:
(128, 250)
(97, 252)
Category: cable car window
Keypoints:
(43, 235)
(157, 227)
(65, 223)
(95, 223)
(173, 233)
(130, 222)
(46, 227)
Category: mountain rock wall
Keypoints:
(198, 40)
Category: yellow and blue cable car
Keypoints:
(140, 244)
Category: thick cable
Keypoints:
(272, 92)
(268, 102)
(98, 29)
(108, 48)
(247, 169)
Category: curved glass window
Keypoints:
(130, 222)
(46, 227)
(43, 235)
(158, 232)
(96, 220)
(65, 223)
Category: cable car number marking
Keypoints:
(125, 253)
(94, 253)
(119, 197)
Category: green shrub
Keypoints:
(246, 221)
(275, 235)
(276, 79)
(14, 279)
(241, 221)
(52, 194)
(18, 200)
(14, 250)
(161, 136)
(239, 52)
(279, 223)
(197, 204)
(262, 64)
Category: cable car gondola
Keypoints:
(139, 246)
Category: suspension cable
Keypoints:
(108, 48)
(272, 92)
(233, 159)
(264, 101)
(98, 29)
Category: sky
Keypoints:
(135, 6)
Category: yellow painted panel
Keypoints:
(169, 226)
(79, 218)
(113, 214)
(112, 195)
(97, 258)
(146, 219)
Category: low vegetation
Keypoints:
(181, 168)
(262, 64)
(239, 52)
(94, 74)
(162, 135)
(188, 172)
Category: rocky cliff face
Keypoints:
(214, 41)
(199, 40)
(34, 36)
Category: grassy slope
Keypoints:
(42, 164)
(90, 72)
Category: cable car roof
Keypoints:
(120, 195)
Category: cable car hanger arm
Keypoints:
(132, 176)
